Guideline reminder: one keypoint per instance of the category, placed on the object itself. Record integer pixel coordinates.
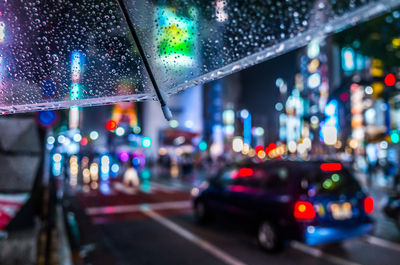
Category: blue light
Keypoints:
(321, 235)
(115, 168)
(75, 91)
(314, 80)
(136, 162)
(348, 59)
(247, 129)
(244, 114)
(146, 142)
(47, 118)
(56, 165)
(56, 169)
(331, 108)
(202, 146)
(105, 167)
(132, 137)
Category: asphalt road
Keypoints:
(154, 225)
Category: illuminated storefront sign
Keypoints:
(176, 36)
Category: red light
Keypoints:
(270, 147)
(304, 210)
(354, 87)
(84, 141)
(245, 172)
(111, 125)
(344, 96)
(331, 166)
(259, 148)
(390, 79)
(368, 205)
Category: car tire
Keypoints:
(201, 212)
(268, 238)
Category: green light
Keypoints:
(137, 129)
(75, 92)
(146, 142)
(145, 186)
(394, 137)
(327, 184)
(146, 174)
(202, 146)
(174, 124)
(175, 36)
(335, 177)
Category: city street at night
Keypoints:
(200, 132)
(156, 226)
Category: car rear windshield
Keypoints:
(315, 181)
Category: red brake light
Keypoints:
(331, 166)
(368, 205)
(245, 172)
(304, 210)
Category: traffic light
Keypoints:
(111, 125)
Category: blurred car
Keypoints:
(392, 209)
(313, 202)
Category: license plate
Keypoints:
(341, 211)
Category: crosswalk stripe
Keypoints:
(115, 209)
(317, 253)
(382, 243)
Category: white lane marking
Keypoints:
(382, 243)
(317, 253)
(137, 207)
(228, 259)
(164, 188)
(124, 189)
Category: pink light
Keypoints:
(124, 156)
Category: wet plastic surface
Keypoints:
(58, 54)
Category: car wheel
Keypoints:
(200, 212)
(268, 238)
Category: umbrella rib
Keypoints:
(166, 111)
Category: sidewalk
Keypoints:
(90, 249)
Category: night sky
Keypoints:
(259, 93)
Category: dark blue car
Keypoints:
(313, 202)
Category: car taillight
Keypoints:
(368, 205)
(304, 210)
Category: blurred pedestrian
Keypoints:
(131, 177)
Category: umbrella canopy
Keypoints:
(57, 54)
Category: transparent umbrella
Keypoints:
(57, 54)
